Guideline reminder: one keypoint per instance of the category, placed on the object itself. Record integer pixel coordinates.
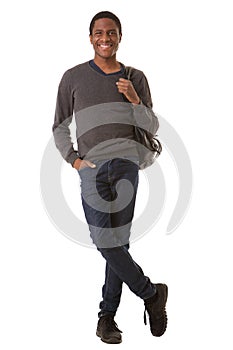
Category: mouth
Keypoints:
(105, 46)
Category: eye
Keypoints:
(112, 32)
(98, 32)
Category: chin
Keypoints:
(104, 56)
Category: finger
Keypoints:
(120, 85)
(124, 83)
(123, 80)
(123, 88)
(123, 91)
(90, 164)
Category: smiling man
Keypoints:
(102, 98)
(105, 38)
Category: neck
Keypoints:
(108, 65)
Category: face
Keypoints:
(105, 38)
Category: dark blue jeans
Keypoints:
(108, 198)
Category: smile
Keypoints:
(105, 46)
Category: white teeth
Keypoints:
(104, 46)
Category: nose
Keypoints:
(105, 36)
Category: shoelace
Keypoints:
(145, 321)
(111, 324)
(158, 320)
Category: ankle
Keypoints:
(151, 299)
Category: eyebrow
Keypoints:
(109, 30)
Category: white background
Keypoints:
(50, 286)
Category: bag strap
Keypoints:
(128, 71)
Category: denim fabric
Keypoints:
(120, 267)
(108, 198)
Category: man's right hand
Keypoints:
(81, 163)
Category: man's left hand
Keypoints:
(126, 87)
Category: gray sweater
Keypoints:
(104, 118)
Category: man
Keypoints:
(105, 104)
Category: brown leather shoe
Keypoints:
(107, 330)
(156, 309)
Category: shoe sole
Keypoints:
(165, 296)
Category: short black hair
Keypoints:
(105, 14)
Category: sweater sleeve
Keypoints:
(143, 113)
(143, 91)
(63, 119)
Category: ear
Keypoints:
(120, 38)
(91, 39)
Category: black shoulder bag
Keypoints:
(149, 147)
